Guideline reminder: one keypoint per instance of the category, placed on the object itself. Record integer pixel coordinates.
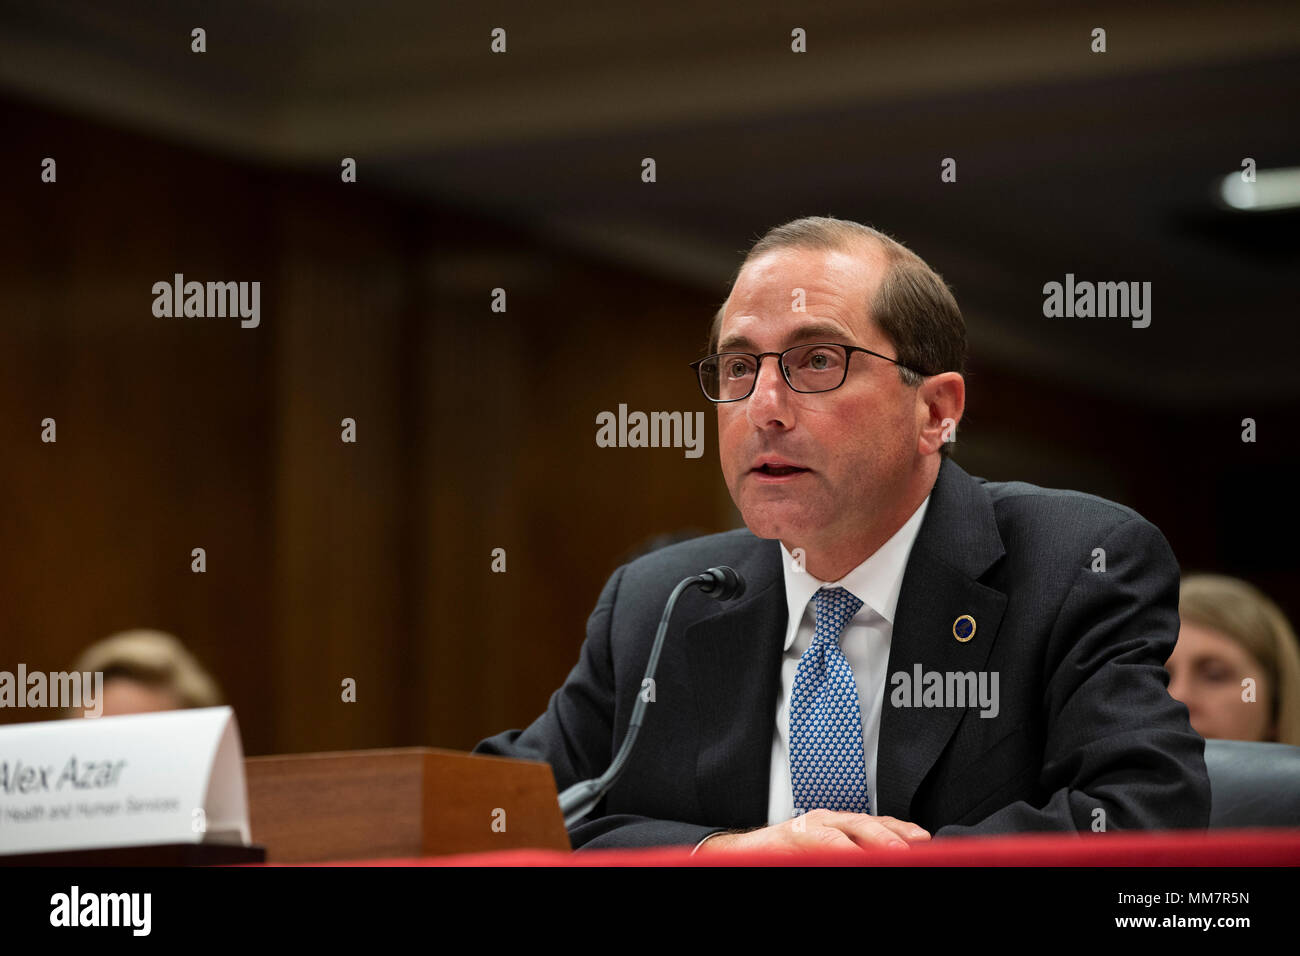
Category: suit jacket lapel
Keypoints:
(957, 543)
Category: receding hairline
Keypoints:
(850, 240)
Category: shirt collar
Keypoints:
(877, 581)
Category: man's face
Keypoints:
(856, 446)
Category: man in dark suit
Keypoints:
(918, 651)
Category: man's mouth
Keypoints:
(774, 472)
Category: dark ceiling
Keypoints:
(1068, 161)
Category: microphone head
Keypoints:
(722, 583)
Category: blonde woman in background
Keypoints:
(146, 671)
(1231, 631)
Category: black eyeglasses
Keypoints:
(731, 376)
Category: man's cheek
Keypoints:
(728, 455)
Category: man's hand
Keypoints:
(822, 830)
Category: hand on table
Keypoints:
(822, 830)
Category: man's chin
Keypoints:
(774, 521)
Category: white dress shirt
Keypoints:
(864, 641)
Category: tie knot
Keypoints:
(832, 608)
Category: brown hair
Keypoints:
(913, 306)
(1244, 613)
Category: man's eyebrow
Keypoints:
(817, 331)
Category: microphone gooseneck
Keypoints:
(720, 583)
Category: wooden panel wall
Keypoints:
(476, 430)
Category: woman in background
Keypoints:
(146, 671)
(1231, 631)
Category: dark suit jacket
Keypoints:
(1085, 721)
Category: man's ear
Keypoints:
(940, 402)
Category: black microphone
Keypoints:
(724, 583)
(721, 584)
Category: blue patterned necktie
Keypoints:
(827, 766)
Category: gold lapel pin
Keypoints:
(963, 628)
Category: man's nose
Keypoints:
(769, 404)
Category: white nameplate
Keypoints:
(169, 777)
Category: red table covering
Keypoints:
(1165, 848)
